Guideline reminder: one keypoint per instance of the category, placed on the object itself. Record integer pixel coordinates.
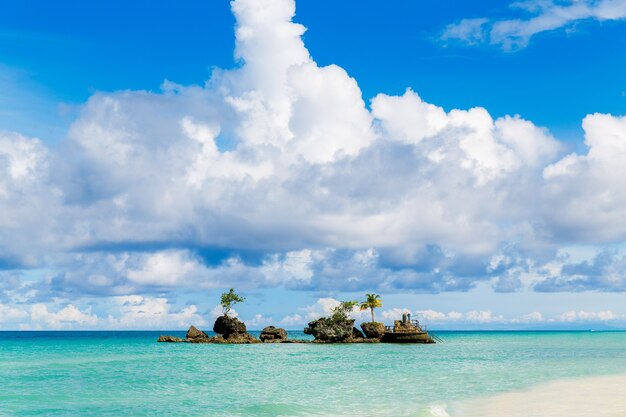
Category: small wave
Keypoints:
(435, 410)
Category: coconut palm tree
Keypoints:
(371, 301)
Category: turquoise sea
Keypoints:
(129, 374)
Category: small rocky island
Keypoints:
(338, 328)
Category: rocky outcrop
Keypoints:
(169, 339)
(373, 330)
(272, 334)
(226, 325)
(329, 330)
(404, 326)
(356, 334)
(197, 336)
(232, 330)
(241, 338)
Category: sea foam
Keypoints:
(436, 411)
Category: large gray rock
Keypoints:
(373, 330)
(226, 325)
(196, 336)
(329, 330)
(169, 339)
(241, 338)
(272, 334)
(235, 339)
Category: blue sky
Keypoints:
(156, 157)
(66, 51)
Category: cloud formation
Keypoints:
(539, 16)
(605, 271)
(277, 174)
(130, 312)
(145, 312)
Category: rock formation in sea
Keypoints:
(407, 331)
(232, 330)
(169, 339)
(373, 330)
(271, 334)
(226, 325)
(338, 328)
(197, 336)
(328, 330)
(238, 338)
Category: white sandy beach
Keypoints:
(587, 397)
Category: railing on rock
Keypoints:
(418, 327)
(415, 323)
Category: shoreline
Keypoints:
(598, 396)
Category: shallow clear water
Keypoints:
(128, 373)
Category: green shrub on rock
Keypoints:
(229, 299)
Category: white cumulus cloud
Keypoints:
(67, 317)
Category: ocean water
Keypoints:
(129, 374)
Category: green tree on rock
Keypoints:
(229, 299)
(343, 310)
(372, 301)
